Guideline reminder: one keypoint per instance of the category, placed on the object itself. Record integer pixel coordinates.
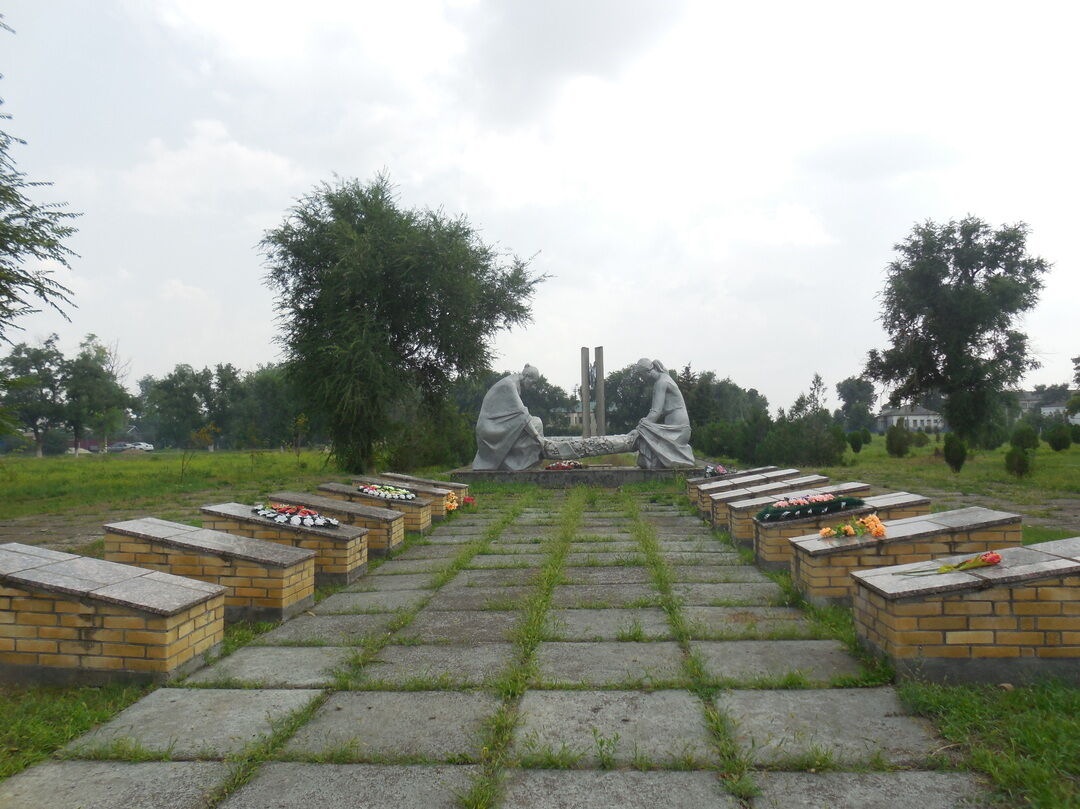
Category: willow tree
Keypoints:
(378, 302)
(951, 304)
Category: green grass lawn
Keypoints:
(59, 484)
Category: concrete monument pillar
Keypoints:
(600, 426)
(586, 413)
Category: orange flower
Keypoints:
(827, 532)
(849, 531)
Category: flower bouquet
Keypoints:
(469, 501)
(385, 492)
(562, 466)
(988, 559)
(809, 506)
(294, 515)
(856, 527)
(715, 470)
(451, 502)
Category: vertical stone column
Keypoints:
(586, 415)
(601, 410)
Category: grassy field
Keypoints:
(56, 485)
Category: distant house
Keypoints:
(1058, 411)
(915, 418)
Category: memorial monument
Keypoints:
(508, 437)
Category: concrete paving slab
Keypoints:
(501, 548)
(604, 595)
(498, 577)
(429, 552)
(269, 667)
(468, 664)
(817, 660)
(569, 789)
(449, 626)
(717, 623)
(453, 540)
(605, 535)
(196, 722)
(529, 543)
(402, 725)
(625, 664)
(286, 785)
(507, 597)
(113, 785)
(717, 573)
(406, 581)
(702, 558)
(723, 595)
(599, 574)
(646, 623)
(658, 727)
(326, 630)
(705, 544)
(604, 546)
(399, 566)
(854, 725)
(490, 560)
(633, 559)
(880, 790)
(387, 601)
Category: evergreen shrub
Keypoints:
(955, 452)
(1018, 462)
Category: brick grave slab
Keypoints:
(717, 512)
(772, 550)
(693, 482)
(437, 495)
(386, 526)
(707, 489)
(821, 567)
(1017, 621)
(67, 619)
(341, 553)
(740, 513)
(417, 512)
(461, 489)
(263, 581)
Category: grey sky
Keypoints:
(718, 184)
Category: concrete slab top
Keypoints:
(245, 514)
(335, 507)
(880, 790)
(353, 491)
(277, 667)
(203, 540)
(626, 789)
(96, 579)
(414, 487)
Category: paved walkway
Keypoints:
(553, 650)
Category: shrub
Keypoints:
(855, 441)
(898, 440)
(1024, 437)
(993, 437)
(955, 452)
(1018, 462)
(867, 436)
(1059, 437)
(1074, 430)
(920, 439)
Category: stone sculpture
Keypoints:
(663, 436)
(507, 436)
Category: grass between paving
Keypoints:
(495, 754)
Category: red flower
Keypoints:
(990, 558)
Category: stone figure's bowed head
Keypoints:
(645, 367)
(529, 376)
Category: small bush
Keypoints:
(855, 441)
(955, 452)
(867, 436)
(1024, 437)
(898, 441)
(1074, 430)
(1059, 437)
(1018, 462)
(920, 439)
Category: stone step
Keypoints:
(264, 581)
(68, 619)
(386, 527)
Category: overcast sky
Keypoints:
(717, 184)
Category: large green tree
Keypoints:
(950, 305)
(857, 397)
(378, 302)
(34, 382)
(95, 397)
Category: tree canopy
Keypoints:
(378, 302)
(950, 305)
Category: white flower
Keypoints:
(294, 521)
